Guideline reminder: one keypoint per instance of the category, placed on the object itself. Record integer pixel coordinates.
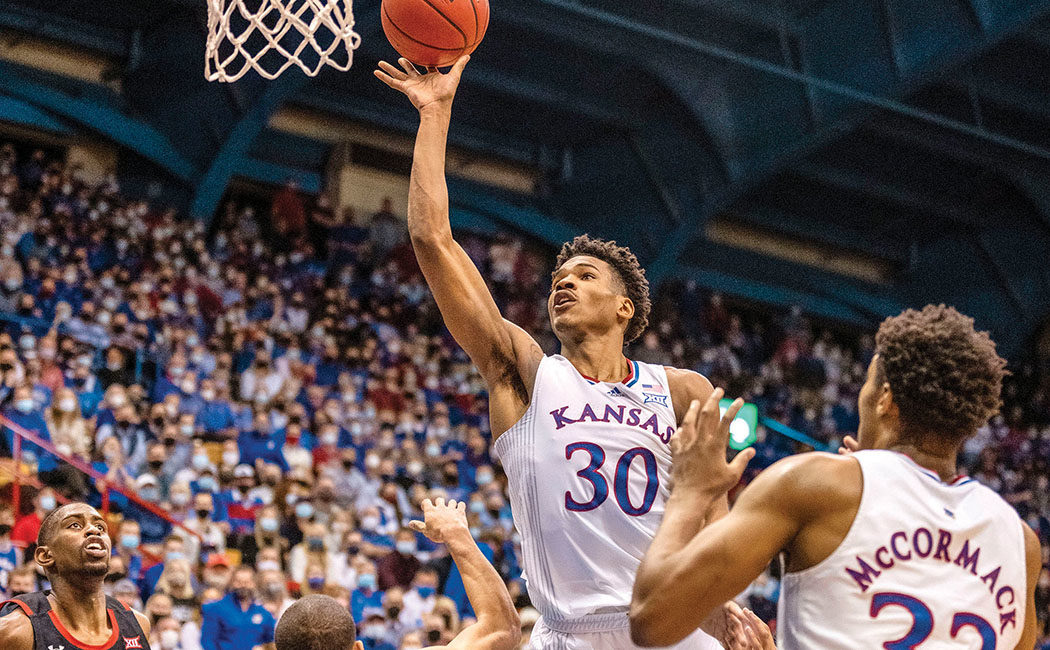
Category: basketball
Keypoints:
(435, 33)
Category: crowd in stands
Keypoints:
(283, 387)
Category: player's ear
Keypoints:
(885, 406)
(44, 557)
(626, 308)
(358, 646)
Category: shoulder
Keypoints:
(687, 384)
(143, 621)
(1033, 550)
(809, 483)
(16, 631)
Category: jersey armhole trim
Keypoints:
(845, 540)
(24, 607)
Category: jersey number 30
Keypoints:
(922, 622)
(621, 482)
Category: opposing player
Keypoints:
(321, 623)
(584, 435)
(73, 548)
(886, 547)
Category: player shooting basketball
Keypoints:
(883, 548)
(584, 435)
(73, 548)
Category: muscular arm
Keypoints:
(679, 585)
(1034, 561)
(16, 632)
(498, 626)
(505, 355)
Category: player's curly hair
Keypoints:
(946, 377)
(631, 273)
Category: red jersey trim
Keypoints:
(25, 608)
(83, 646)
(629, 377)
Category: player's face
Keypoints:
(80, 546)
(585, 297)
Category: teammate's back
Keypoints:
(925, 564)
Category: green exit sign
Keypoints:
(743, 430)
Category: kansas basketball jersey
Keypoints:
(50, 634)
(926, 565)
(588, 468)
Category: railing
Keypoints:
(104, 486)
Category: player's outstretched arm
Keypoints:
(1034, 561)
(498, 626)
(16, 632)
(679, 585)
(470, 313)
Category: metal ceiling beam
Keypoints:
(24, 113)
(108, 121)
(944, 207)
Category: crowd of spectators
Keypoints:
(284, 389)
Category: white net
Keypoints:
(269, 36)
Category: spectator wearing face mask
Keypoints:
(313, 551)
(367, 593)
(215, 417)
(127, 429)
(238, 621)
(115, 371)
(167, 635)
(26, 527)
(261, 443)
(266, 534)
(109, 461)
(24, 412)
(239, 503)
(22, 580)
(178, 583)
(399, 567)
(153, 527)
(375, 630)
(420, 598)
(127, 545)
(212, 533)
(174, 549)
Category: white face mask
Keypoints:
(169, 639)
(66, 405)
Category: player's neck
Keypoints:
(935, 457)
(599, 357)
(80, 607)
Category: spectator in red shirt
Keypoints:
(399, 567)
(289, 212)
(27, 526)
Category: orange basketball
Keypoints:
(435, 32)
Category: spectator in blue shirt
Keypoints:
(260, 443)
(367, 593)
(215, 415)
(27, 414)
(238, 621)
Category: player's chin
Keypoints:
(94, 567)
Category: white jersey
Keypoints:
(588, 467)
(926, 565)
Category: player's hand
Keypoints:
(747, 631)
(424, 90)
(440, 519)
(849, 445)
(698, 449)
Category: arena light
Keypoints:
(743, 430)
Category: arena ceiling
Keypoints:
(851, 157)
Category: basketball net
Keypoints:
(283, 31)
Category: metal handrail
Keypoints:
(86, 468)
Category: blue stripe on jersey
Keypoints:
(636, 373)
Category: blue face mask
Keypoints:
(206, 483)
(269, 524)
(48, 503)
(25, 405)
(366, 581)
(304, 510)
(425, 592)
(129, 541)
(477, 507)
(174, 556)
(315, 583)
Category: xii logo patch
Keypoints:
(132, 643)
